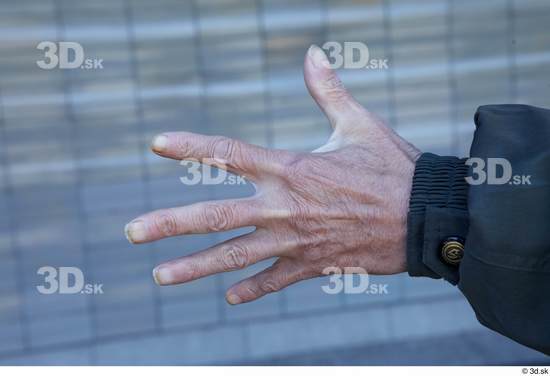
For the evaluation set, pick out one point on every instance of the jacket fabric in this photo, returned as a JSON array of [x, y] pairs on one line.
[[496, 203]]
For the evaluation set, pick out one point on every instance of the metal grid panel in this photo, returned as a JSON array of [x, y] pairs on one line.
[[76, 167]]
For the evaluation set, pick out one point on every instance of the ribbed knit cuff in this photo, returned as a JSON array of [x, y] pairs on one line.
[[439, 181], [437, 208]]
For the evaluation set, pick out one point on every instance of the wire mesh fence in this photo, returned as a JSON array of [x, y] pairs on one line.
[[75, 165]]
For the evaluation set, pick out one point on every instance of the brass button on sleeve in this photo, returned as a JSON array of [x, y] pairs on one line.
[[452, 250]]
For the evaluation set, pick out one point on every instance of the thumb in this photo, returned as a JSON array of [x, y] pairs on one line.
[[351, 122], [327, 90]]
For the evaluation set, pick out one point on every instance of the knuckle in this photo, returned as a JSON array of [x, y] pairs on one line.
[[270, 285], [217, 217], [334, 89], [280, 160], [252, 290], [182, 145], [234, 257], [295, 166], [223, 147], [333, 82], [166, 223], [315, 254]]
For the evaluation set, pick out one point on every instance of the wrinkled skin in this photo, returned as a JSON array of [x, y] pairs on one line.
[[343, 205]]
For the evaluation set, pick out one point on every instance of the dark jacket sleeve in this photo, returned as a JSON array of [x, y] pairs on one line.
[[503, 268]]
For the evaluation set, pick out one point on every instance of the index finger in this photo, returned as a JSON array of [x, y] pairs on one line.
[[235, 156]]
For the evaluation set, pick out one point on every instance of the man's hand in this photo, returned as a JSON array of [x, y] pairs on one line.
[[343, 205]]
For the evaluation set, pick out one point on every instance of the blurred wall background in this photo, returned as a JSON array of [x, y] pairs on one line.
[[75, 167]]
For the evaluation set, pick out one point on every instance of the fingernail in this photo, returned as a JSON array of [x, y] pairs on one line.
[[162, 276], [233, 299], [318, 57], [159, 143], [155, 277], [135, 231]]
